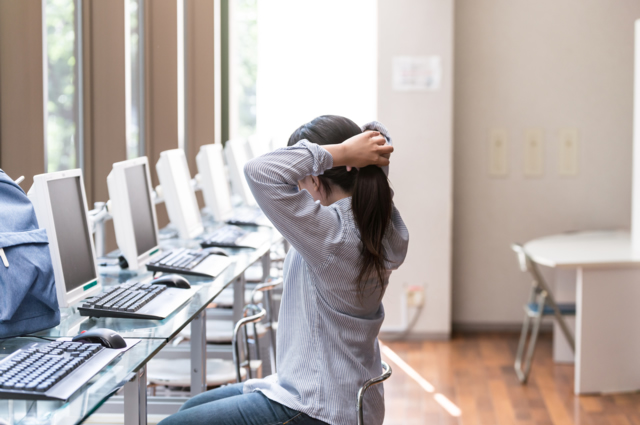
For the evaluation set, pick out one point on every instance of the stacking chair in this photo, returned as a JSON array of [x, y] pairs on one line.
[[386, 373], [253, 313], [221, 331], [541, 303], [176, 372]]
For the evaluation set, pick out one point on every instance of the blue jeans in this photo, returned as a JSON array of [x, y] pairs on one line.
[[229, 406]]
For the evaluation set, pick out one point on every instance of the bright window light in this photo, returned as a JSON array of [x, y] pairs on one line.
[[315, 57], [441, 399], [391, 355]]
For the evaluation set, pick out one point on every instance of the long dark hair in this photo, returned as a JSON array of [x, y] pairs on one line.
[[369, 187]]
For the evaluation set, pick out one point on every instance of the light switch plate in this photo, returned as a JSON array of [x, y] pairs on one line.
[[568, 152], [498, 152], [533, 152]]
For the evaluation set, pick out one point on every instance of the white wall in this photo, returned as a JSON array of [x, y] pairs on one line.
[[421, 166], [548, 64]]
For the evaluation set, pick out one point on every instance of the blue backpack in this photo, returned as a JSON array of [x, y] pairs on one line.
[[28, 301]]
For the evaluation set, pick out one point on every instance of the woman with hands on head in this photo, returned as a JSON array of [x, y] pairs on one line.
[[329, 196]]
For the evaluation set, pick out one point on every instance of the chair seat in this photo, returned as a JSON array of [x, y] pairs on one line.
[[177, 372], [221, 331], [567, 309]]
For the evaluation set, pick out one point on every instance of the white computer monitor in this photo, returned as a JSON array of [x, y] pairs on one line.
[[133, 210], [236, 155], [179, 197], [213, 179], [61, 208]]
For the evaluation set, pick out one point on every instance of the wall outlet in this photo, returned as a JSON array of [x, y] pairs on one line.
[[568, 152], [533, 152], [498, 153], [415, 296]]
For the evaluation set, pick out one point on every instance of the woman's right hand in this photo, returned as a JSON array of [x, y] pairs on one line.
[[361, 150]]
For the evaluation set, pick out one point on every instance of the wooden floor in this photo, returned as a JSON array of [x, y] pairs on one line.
[[476, 373]]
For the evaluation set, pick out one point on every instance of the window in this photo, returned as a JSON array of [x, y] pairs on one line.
[[291, 61], [134, 79], [243, 67], [64, 85]]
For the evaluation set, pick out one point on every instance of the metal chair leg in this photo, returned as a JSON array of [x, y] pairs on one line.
[[247, 352], [521, 346], [549, 299], [523, 372], [261, 312], [386, 373]]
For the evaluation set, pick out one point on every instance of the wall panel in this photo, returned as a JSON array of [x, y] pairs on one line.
[[22, 140]]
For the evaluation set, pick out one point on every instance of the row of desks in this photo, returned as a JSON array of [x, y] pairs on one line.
[[129, 369]]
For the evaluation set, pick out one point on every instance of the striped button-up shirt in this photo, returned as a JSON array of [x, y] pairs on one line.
[[327, 344]]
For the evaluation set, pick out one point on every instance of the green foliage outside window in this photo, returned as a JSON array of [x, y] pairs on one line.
[[246, 66], [62, 97]]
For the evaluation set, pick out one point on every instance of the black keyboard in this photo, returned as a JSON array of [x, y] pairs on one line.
[[249, 217], [233, 236], [52, 371], [136, 300], [189, 262]]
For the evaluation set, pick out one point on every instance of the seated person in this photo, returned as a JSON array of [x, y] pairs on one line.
[[329, 197]]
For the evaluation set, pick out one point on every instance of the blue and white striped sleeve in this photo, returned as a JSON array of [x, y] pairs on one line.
[[312, 229]]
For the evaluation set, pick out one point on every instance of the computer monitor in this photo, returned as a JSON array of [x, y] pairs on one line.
[[179, 197], [236, 154], [213, 179], [61, 208], [133, 210]]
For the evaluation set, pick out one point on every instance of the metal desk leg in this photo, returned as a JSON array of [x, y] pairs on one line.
[[135, 399], [266, 266], [31, 408], [272, 333], [199, 354], [238, 298]]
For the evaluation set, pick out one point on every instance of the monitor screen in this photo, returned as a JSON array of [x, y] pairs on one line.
[[141, 208], [74, 242]]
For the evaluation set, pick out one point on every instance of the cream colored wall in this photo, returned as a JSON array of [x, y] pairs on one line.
[[421, 167], [548, 64]]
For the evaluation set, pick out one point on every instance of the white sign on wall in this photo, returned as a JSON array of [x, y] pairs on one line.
[[417, 73]]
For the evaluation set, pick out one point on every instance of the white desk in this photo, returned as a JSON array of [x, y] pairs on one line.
[[607, 334]]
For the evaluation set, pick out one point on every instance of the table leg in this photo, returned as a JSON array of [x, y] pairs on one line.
[[199, 354], [135, 399], [564, 291], [607, 331]]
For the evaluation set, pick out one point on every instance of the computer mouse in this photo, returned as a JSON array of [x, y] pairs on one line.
[[106, 337], [172, 280], [216, 251]]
